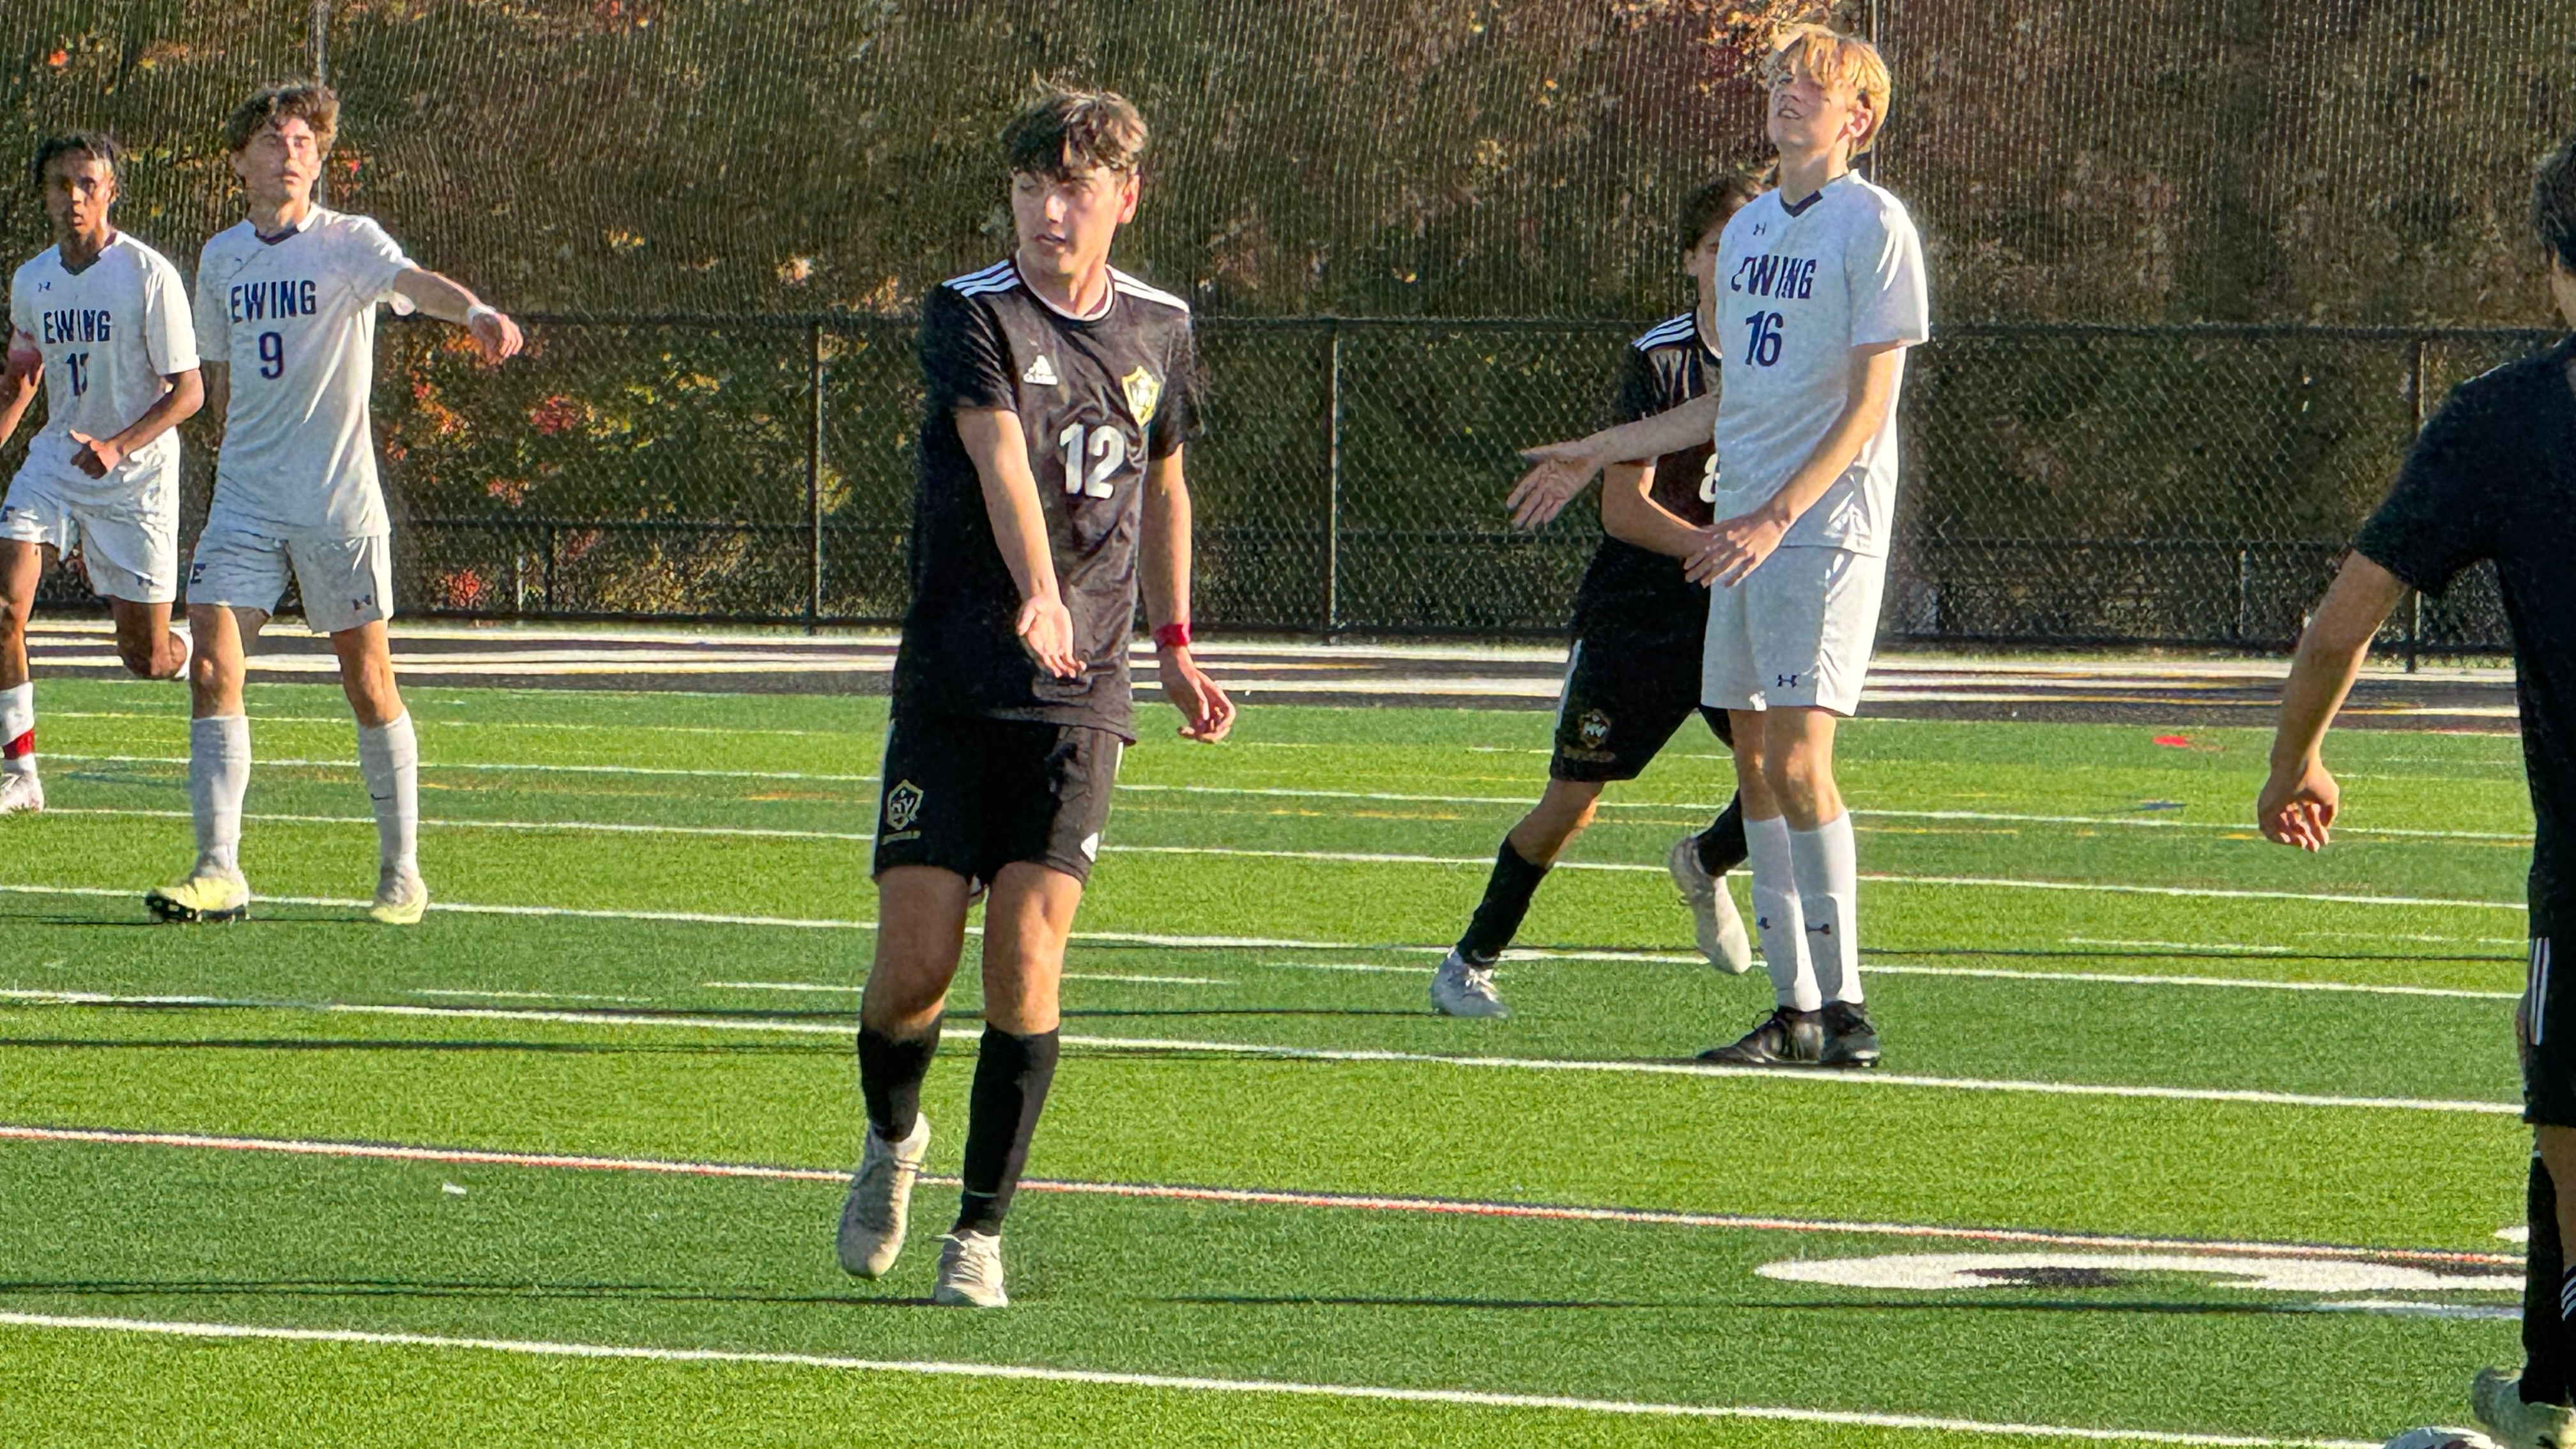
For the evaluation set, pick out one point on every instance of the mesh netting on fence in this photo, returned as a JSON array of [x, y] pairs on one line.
[[725, 212]]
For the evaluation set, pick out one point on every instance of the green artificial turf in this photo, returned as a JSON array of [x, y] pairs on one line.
[[1230, 918]]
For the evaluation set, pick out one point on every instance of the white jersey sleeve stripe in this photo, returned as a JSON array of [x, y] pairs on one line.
[[1134, 288], [1671, 332]]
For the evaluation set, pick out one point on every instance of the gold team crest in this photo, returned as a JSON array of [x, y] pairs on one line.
[[1144, 390]]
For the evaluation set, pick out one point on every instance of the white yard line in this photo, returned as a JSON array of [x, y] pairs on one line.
[[1372, 796], [855, 739], [2225, 948], [493, 768], [1260, 943], [826, 988], [1356, 1055], [1265, 1197], [1172, 1382]]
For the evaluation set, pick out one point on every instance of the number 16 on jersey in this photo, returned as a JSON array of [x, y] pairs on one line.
[[1762, 348]]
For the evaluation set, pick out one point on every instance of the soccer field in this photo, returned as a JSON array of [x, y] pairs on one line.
[[2183, 1138]]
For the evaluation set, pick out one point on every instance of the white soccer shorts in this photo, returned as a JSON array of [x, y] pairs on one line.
[[131, 549], [1797, 632], [345, 582]]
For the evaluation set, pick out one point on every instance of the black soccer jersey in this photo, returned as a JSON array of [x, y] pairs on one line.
[[1097, 397], [2493, 479], [1634, 592]]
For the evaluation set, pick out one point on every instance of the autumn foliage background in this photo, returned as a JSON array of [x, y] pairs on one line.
[[2356, 162]]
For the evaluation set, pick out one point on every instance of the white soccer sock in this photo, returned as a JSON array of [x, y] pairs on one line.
[[18, 729], [389, 754], [1828, 867], [218, 777], [1776, 915]]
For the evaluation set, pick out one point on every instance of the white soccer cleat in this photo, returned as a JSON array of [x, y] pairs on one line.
[[1462, 988], [21, 795], [1714, 919], [970, 1272], [2495, 1400], [207, 896], [401, 900], [872, 1220]]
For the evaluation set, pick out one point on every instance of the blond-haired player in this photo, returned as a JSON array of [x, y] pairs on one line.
[[1820, 292], [286, 319]]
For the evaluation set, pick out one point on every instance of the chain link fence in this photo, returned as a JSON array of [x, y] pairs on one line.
[[2063, 484]]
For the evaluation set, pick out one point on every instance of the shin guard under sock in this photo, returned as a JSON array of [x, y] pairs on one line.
[[2548, 1340], [890, 1077], [1012, 1074], [1721, 846], [1498, 915]]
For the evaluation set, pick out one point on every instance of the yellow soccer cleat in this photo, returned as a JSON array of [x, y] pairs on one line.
[[204, 898], [400, 900]]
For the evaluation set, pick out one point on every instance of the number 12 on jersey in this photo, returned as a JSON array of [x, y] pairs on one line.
[[1105, 446], [1762, 349]]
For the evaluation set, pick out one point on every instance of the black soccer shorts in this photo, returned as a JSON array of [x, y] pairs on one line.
[[972, 795], [1623, 700], [2547, 1022]]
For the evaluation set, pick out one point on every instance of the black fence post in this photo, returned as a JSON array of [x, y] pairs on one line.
[[1333, 482], [2415, 401], [814, 476]]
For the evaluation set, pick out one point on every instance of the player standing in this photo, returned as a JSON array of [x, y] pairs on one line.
[[286, 313], [1639, 625], [1060, 394], [1822, 292], [103, 320], [2492, 478]]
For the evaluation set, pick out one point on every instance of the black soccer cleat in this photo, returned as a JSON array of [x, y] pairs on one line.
[[1787, 1037], [1850, 1039]]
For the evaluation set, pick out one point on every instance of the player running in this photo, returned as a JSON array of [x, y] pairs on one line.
[[1822, 291], [103, 320], [1633, 675], [286, 317], [1060, 394], [2492, 479]]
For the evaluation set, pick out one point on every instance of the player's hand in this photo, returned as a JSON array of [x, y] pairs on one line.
[[1559, 472], [1045, 628], [2298, 805], [1736, 547], [95, 456], [495, 336], [1206, 714]]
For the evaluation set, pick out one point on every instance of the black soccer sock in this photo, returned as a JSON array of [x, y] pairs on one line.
[[890, 1075], [1498, 915], [1721, 845], [1012, 1074], [2548, 1340]]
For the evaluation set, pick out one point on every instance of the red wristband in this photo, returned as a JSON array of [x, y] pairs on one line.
[[1172, 636]]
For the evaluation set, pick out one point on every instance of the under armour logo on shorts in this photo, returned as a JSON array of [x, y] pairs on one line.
[[1788, 681]]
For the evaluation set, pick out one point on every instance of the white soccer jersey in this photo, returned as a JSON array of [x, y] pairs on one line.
[[294, 317], [1798, 290], [110, 333]]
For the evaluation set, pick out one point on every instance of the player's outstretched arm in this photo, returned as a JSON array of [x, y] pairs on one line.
[[1559, 472], [98, 456], [494, 333], [18, 384], [1737, 546], [1206, 714], [1630, 514], [1000, 450], [2300, 799]]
